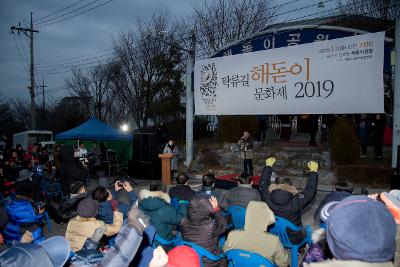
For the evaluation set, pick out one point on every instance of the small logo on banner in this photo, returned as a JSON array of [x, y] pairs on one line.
[[208, 85]]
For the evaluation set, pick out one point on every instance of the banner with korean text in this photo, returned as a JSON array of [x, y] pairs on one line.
[[327, 77]]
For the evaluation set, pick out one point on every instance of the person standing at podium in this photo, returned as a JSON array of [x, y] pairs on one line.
[[170, 148], [246, 145]]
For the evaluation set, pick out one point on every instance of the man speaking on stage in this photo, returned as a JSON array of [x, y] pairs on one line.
[[246, 144]]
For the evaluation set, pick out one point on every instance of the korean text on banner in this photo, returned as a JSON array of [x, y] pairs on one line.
[[327, 77]]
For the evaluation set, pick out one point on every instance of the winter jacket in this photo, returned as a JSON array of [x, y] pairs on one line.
[[203, 227], [207, 191], [163, 216], [79, 229], [67, 209], [127, 243], [254, 237], [181, 191], [105, 213], [71, 169], [246, 147], [88, 256], [337, 263], [242, 195], [18, 254], [286, 204]]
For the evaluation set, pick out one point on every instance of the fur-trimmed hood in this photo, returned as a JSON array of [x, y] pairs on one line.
[[284, 187], [153, 200], [145, 193]]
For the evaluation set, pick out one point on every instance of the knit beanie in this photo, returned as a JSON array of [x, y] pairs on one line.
[[363, 229], [183, 256], [88, 208]]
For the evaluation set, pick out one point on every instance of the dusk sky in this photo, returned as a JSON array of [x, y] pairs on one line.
[[83, 39]]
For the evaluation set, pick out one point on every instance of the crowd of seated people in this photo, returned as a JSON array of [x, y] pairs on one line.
[[116, 227]]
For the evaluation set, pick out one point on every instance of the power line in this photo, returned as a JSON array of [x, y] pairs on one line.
[[20, 56], [57, 69], [66, 60], [58, 11], [77, 66], [23, 48], [61, 66], [51, 65], [67, 13], [72, 63], [68, 68], [72, 16]]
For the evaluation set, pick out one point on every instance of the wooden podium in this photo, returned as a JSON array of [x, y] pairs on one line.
[[166, 168]]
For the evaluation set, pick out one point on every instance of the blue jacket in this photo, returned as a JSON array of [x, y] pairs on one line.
[[106, 214]]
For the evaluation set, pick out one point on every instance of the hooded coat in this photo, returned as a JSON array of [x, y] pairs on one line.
[[203, 227], [285, 202], [71, 169], [163, 216], [254, 237]]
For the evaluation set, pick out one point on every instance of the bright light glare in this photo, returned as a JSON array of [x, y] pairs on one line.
[[124, 127]]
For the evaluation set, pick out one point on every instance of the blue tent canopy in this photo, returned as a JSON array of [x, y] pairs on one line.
[[94, 129]]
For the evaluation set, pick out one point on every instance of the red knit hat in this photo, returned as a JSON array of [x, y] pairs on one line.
[[183, 256]]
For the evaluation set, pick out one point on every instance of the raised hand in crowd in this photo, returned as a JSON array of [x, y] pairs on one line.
[[214, 202], [127, 186], [270, 162], [312, 166]]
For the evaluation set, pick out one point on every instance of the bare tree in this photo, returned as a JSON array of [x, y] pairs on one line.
[[220, 22], [9, 117], [149, 67], [93, 90], [381, 9], [22, 112]]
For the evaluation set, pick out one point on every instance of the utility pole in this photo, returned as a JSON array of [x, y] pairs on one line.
[[396, 101], [29, 32], [189, 100], [43, 105], [43, 98]]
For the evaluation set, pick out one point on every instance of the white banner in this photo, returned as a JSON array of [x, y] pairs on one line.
[[327, 77]]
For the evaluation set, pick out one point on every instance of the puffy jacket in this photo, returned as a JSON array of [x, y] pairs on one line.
[[79, 229], [203, 227], [254, 237], [67, 209], [181, 191], [71, 169], [286, 204], [163, 216], [105, 213], [242, 195]]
